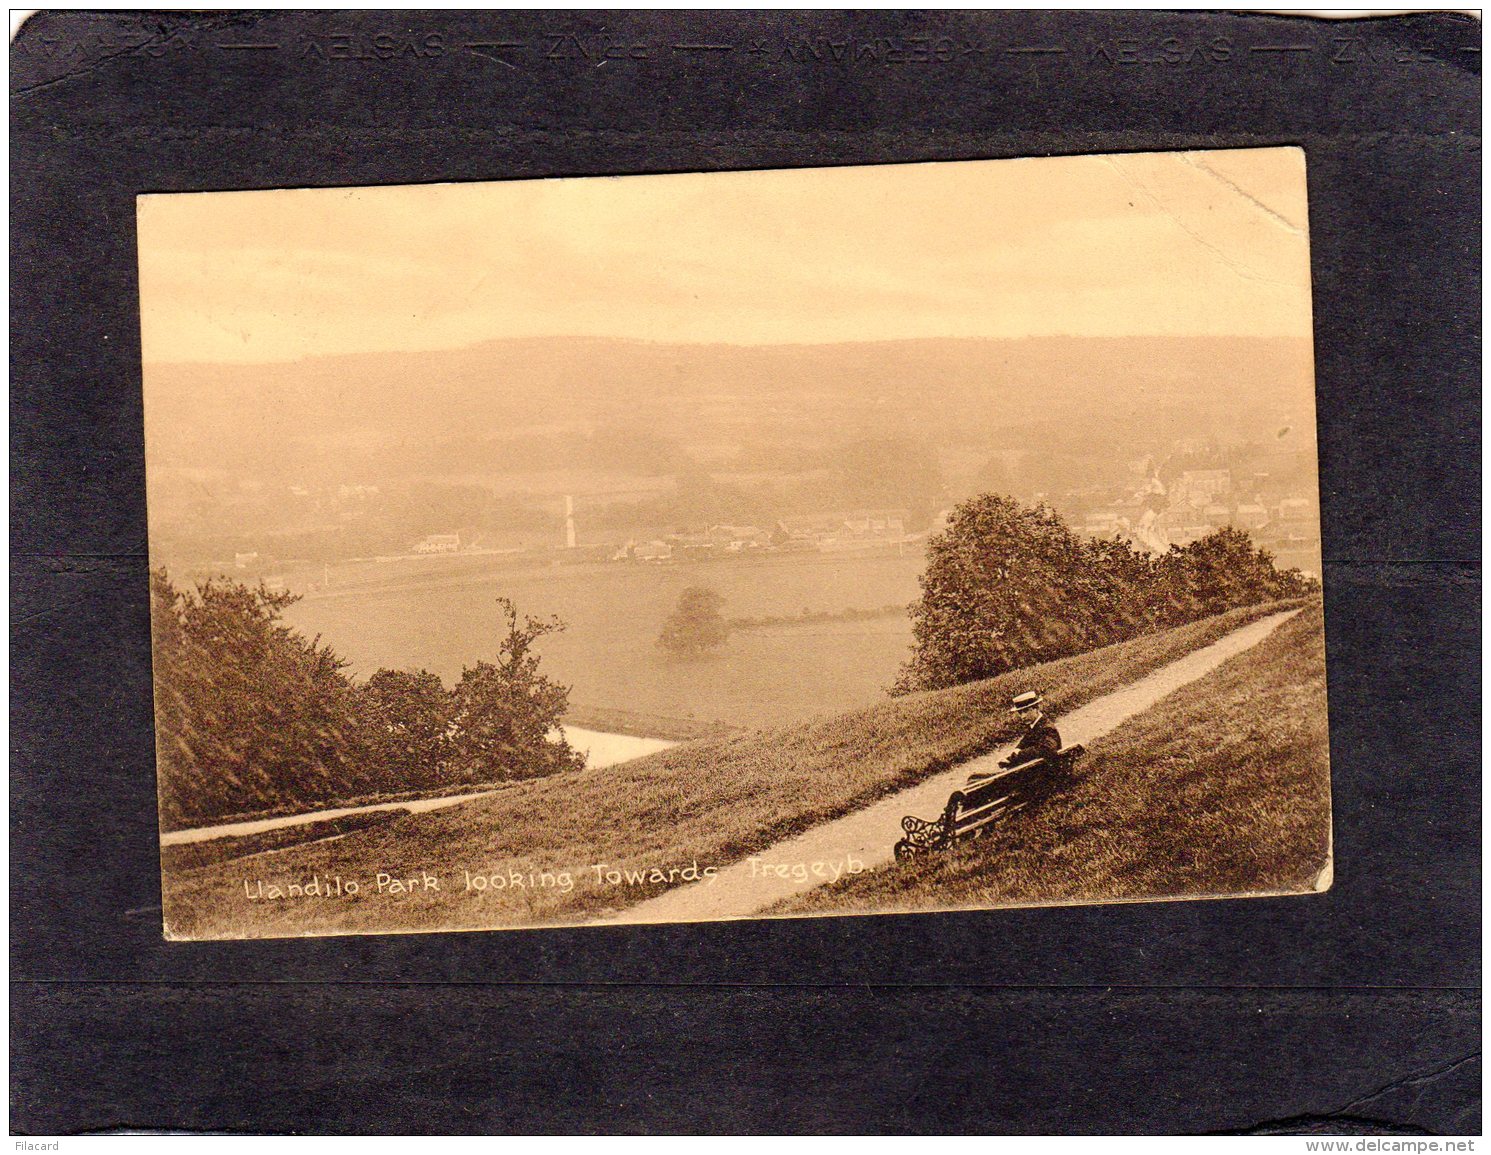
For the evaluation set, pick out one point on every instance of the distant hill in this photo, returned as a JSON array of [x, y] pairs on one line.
[[353, 415]]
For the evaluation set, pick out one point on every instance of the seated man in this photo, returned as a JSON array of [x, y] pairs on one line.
[[1040, 740]]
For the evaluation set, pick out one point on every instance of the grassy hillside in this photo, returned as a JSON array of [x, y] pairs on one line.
[[1223, 788], [707, 803]]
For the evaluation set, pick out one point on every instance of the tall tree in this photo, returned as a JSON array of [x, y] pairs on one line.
[[505, 715], [695, 627], [993, 594], [408, 719], [250, 715]]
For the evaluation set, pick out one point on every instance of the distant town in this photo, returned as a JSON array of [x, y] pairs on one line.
[[1156, 509], [857, 531], [222, 520], [1155, 514]]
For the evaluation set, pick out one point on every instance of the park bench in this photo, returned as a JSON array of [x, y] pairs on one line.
[[985, 799]]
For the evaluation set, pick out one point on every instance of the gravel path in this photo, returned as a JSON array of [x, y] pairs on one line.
[[864, 839]]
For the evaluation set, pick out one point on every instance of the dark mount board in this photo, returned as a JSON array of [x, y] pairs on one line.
[[1357, 1010]]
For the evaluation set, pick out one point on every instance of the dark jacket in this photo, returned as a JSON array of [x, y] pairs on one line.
[[1039, 742]]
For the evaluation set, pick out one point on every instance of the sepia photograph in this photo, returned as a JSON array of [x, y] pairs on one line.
[[776, 543]]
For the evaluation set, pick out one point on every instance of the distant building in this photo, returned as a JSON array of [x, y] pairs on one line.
[[1250, 517], [1210, 483], [1144, 530], [1100, 523], [1181, 525], [850, 527], [653, 551], [244, 560], [691, 546], [439, 543], [876, 525], [735, 538], [1186, 534], [1296, 509], [810, 527], [644, 551]]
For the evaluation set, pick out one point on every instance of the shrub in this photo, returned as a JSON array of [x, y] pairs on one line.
[[1008, 586]]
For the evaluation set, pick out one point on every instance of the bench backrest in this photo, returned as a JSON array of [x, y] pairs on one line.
[[976, 805]]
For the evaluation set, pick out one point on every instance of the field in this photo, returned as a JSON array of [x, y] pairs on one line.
[[1223, 788], [694, 807], [418, 616]]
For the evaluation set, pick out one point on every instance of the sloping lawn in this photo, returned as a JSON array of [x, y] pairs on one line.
[[1223, 788], [700, 805]]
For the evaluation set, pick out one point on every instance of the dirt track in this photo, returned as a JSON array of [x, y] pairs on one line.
[[864, 839]]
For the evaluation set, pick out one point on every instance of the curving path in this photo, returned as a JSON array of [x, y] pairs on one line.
[[865, 837]]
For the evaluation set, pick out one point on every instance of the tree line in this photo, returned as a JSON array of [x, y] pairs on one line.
[[1008, 586], [251, 717]]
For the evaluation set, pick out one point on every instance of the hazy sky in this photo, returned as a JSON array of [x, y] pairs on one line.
[[1175, 243]]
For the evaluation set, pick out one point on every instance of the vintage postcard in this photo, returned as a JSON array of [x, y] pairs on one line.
[[729, 545]]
